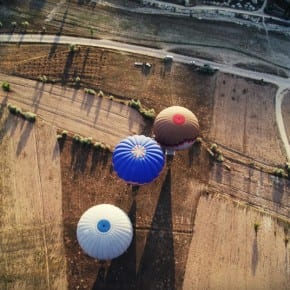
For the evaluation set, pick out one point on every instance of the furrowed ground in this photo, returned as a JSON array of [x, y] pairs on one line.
[[196, 200], [223, 41], [31, 228]]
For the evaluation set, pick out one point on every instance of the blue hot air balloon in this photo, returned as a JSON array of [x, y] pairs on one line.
[[138, 159], [104, 232]]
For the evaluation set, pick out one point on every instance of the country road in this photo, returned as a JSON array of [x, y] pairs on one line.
[[282, 83]]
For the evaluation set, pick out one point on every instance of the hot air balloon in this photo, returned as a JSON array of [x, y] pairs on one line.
[[175, 128], [138, 159], [104, 232]]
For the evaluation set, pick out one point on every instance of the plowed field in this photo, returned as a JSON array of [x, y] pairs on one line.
[[31, 226]]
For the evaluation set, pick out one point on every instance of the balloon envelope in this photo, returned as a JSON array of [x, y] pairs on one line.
[[104, 232], [138, 159], [176, 128]]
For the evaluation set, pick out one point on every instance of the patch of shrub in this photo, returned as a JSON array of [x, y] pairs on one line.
[[25, 24], [73, 48], [6, 86], [252, 164], [256, 227], [76, 138], [43, 78], [64, 133], [97, 145], [148, 114], [77, 80], [12, 109], [220, 157], [216, 153], [213, 147], [136, 104], [13, 24], [198, 140], [101, 94], [279, 172], [29, 116], [86, 140], [90, 91]]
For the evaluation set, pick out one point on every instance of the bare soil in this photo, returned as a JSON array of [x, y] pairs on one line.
[[162, 214], [31, 224], [246, 113], [235, 113], [74, 111], [286, 114], [235, 247]]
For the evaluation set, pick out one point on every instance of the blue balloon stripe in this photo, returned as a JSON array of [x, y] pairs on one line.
[[138, 159]]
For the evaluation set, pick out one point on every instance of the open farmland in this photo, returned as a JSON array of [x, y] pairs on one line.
[[176, 218], [235, 247], [31, 229], [244, 118], [75, 111], [162, 214]]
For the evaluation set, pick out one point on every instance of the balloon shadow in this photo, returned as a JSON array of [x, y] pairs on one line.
[[157, 265], [121, 273]]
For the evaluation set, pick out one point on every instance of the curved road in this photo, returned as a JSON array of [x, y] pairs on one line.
[[282, 83]]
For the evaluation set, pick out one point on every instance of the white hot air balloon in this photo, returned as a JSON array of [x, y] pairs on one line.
[[104, 232]]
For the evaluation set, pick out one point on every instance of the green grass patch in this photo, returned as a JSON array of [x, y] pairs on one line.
[[6, 86]]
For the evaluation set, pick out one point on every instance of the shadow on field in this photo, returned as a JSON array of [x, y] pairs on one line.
[[36, 4], [56, 39], [24, 137], [255, 255], [280, 187], [157, 265], [79, 157], [121, 274]]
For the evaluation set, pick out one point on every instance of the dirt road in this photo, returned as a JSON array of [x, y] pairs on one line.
[[75, 111]]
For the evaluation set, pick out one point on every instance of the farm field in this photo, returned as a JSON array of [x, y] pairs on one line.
[[75, 111], [226, 251], [246, 113], [202, 224], [169, 213], [80, 18], [32, 254]]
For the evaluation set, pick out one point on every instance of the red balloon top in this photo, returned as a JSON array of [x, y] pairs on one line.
[[178, 119]]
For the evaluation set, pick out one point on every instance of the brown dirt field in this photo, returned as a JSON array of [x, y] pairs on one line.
[[71, 18], [164, 212], [286, 114], [31, 228], [227, 253], [244, 101], [75, 111], [244, 118]]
